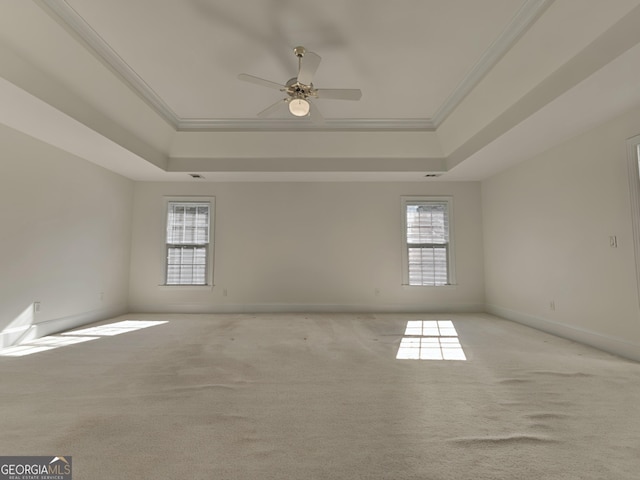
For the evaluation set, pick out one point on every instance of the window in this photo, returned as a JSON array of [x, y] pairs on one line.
[[427, 241], [188, 243]]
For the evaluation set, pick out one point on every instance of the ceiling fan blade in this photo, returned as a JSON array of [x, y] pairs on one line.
[[314, 113], [260, 81], [273, 108], [308, 66], [339, 93]]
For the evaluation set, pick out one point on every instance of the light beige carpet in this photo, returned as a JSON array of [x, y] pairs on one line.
[[322, 396]]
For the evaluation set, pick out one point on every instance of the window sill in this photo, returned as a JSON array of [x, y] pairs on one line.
[[190, 288], [448, 285]]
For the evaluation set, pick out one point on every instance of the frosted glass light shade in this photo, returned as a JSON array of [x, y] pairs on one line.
[[299, 107]]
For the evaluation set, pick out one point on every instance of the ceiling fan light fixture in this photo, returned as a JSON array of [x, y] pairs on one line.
[[299, 89], [299, 107]]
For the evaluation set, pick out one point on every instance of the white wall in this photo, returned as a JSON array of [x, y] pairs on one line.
[[65, 235], [305, 246], [547, 224], [535, 234]]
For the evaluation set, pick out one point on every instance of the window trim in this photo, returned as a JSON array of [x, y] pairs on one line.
[[633, 171], [410, 200], [210, 248]]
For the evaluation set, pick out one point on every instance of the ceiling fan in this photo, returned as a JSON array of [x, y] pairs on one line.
[[300, 89]]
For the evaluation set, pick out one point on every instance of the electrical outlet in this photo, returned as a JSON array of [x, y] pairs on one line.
[[36, 307], [613, 241], [552, 305], [224, 292]]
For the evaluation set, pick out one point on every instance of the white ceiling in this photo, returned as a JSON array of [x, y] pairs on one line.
[[453, 87], [190, 52]]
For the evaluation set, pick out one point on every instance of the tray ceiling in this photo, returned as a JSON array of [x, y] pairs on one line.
[[457, 88], [412, 59]]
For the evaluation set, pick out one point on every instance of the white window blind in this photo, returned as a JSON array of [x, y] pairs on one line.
[[187, 243], [427, 242]]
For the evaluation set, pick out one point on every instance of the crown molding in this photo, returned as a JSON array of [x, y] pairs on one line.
[[78, 26], [304, 124], [520, 23]]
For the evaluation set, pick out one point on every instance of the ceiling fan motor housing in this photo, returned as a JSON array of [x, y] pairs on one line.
[[296, 89]]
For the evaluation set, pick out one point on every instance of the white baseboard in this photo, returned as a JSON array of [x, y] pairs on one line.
[[56, 325], [307, 308], [614, 345]]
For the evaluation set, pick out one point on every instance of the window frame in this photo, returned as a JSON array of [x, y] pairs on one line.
[[450, 248], [209, 247], [633, 173]]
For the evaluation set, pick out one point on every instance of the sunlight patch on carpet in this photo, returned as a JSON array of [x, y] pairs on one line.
[[51, 342], [42, 344], [22, 350], [430, 340], [117, 328]]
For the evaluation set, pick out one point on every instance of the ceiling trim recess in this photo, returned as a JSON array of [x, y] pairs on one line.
[[77, 25], [424, 165]]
